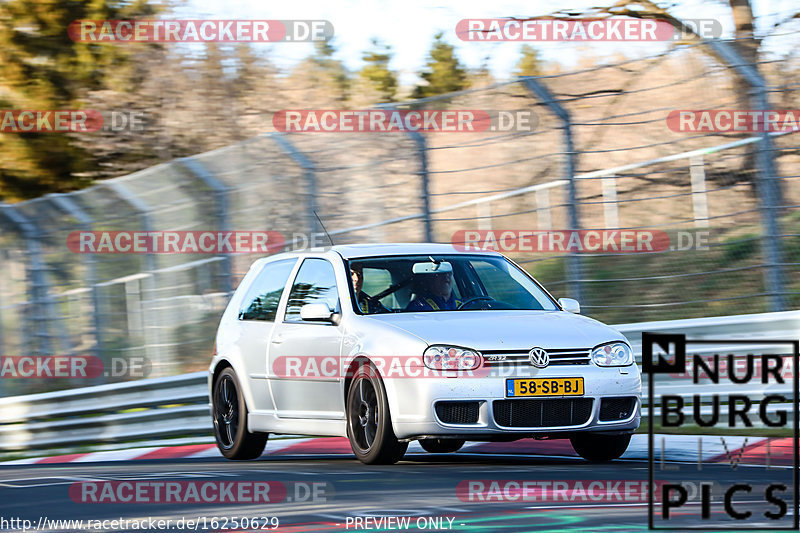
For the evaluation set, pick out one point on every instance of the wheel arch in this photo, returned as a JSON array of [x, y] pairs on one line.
[[352, 367], [244, 386]]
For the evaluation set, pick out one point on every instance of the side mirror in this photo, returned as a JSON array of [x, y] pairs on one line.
[[316, 313], [570, 305]]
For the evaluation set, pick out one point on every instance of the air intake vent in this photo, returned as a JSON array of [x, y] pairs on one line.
[[542, 413], [617, 408], [458, 412]]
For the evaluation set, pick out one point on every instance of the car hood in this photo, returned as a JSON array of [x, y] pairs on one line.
[[499, 330]]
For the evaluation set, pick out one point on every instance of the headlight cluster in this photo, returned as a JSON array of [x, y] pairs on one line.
[[440, 357], [613, 354]]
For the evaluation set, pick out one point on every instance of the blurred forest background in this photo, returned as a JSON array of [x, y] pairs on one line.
[[197, 98], [194, 97]]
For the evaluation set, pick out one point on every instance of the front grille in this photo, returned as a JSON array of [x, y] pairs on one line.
[[458, 412], [542, 413], [617, 408], [558, 356]]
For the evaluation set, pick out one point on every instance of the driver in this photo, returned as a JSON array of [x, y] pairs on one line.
[[367, 304], [436, 293]]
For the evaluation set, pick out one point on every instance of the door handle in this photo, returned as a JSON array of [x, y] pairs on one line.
[[277, 339]]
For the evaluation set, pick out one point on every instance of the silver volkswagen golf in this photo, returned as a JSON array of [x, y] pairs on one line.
[[386, 344]]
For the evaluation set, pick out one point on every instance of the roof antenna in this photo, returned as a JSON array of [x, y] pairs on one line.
[[323, 228]]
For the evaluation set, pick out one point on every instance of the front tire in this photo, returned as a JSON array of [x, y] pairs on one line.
[[600, 448], [369, 424], [441, 445], [229, 412]]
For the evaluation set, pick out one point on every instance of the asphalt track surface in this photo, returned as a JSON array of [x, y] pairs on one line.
[[420, 486]]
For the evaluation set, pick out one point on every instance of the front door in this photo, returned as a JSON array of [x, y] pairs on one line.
[[304, 356]]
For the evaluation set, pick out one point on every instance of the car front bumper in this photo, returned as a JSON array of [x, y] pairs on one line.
[[412, 402]]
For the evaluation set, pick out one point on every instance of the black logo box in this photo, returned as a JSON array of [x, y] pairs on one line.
[[662, 366]]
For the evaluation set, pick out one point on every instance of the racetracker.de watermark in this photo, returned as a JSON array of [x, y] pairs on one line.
[[50, 120], [397, 120], [69, 121], [199, 31], [734, 120], [603, 29], [450, 365], [581, 241], [175, 242], [528, 490], [72, 366], [201, 492], [311, 367]]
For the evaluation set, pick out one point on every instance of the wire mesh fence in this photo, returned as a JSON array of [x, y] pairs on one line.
[[602, 133]]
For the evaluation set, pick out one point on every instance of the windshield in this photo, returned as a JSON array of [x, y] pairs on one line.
[[429, 283]]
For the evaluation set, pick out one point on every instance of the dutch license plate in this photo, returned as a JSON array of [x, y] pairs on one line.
[[544, 387]]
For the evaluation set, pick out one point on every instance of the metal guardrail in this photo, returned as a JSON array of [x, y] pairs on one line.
[[784, 325], [186, 388], [137, 410], [178, 406]]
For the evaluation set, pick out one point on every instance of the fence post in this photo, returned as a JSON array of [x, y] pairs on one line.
[[141, 208], [543, 216], [766, 184], [574, 266], [34, 326], [221, 204], [697, 172], [310, 172], [424, 178], [65, 203], [155, 349], [484, 214], [610, 205]]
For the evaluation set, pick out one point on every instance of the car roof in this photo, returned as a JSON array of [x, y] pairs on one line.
[[352, 251]]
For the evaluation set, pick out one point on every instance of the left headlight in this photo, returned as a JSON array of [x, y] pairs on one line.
[[613, 354], [439, 357]]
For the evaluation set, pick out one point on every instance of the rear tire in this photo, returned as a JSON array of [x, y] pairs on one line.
[[229, 412], [369, 423], [441, 445], [598, 448]]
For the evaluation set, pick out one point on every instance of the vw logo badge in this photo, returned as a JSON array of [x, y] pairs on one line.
[[539, 357]]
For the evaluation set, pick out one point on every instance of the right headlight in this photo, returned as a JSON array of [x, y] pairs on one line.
[[613, 354], [440, 357]]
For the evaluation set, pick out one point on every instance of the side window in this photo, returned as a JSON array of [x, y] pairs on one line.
[[315, 283], [377, 280], [261, 300]]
